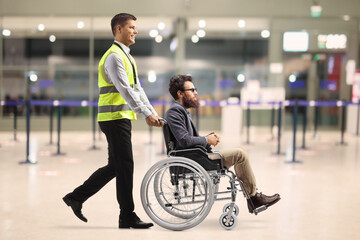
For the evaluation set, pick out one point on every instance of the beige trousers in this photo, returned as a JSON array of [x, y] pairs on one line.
[[238, 158]]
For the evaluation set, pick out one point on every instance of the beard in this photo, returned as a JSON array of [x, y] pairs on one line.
[[189, 103]]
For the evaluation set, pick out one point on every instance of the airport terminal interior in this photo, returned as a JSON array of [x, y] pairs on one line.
[[277, 78]]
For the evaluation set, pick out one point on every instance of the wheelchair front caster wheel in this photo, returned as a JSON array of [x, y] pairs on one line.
[[235, 211], [228, 222]]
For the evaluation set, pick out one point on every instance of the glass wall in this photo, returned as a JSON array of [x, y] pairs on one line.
[[63, 65]]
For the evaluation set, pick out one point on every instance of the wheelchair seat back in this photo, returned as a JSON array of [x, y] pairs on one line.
[[168, 139]]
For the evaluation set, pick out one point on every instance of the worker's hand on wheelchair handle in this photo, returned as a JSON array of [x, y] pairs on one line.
[[153, 121]]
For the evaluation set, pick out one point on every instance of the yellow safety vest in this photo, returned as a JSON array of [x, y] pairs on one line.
[[111, 104]]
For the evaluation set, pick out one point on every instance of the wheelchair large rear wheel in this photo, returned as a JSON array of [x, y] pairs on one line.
[[177, 193]]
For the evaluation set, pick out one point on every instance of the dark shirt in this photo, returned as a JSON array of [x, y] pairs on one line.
[[183, 130]]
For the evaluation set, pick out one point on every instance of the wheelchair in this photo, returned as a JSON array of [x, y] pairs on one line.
[[178, 192]]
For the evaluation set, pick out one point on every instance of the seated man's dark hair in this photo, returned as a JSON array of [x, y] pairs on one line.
[[177, 83]]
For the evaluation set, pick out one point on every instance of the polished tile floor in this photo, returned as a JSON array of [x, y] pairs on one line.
[[320, 195]]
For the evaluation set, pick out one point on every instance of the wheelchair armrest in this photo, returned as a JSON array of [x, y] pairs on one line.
[[200, 156], [201, 150], [214, 156], [201, 147]]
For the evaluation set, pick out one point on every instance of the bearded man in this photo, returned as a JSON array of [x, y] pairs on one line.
[[185, 135]]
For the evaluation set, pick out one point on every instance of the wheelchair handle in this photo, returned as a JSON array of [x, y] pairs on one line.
[[163, 120]]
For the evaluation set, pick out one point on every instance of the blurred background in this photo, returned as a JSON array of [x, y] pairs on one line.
[[304, 50], [237, 51]]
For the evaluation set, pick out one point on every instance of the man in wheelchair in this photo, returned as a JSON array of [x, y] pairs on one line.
[[184, 135]]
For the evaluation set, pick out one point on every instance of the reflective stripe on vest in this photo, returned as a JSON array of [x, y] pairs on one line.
[[110, 89], [112, 105], [114, 108]]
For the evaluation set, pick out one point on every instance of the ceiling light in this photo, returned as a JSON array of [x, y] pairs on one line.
[[346, 18], [265, 33], [41, 27], [201, 33], [33, 77], [158, 39], [6, 32], [202, 23], [241, 23], [80, 24], [52, 38], [153, 33], [195, 38], [240, 77], [161, 26], [292, 78]]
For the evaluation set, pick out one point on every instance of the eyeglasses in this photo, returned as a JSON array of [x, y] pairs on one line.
[[190, 89]]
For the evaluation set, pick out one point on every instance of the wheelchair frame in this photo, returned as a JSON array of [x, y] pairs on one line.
[[178, 192]]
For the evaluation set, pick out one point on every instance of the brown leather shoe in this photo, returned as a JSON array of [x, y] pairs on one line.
[[260, 199]]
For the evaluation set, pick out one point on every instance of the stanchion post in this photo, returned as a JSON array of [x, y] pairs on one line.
[[357, 119], [248, 123], [150, 135], [58, 130], [295, 112], [343, 113], [94, 128], [304, 128], [28, 113], [316, 116], [279, 127], [342, 124], [28, 131], [272, 123], [15, 122], [51, 124], [294, 129]]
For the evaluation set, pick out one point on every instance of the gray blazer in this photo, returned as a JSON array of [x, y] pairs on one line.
[[182, 129]]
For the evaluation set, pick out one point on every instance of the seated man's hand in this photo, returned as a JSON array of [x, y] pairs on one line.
[[153, 121], [212, 139], [217, 138]]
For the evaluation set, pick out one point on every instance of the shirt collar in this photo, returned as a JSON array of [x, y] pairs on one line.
[[125, 48]]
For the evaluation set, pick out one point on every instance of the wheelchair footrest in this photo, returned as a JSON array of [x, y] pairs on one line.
[[254, 210], [259, 209]]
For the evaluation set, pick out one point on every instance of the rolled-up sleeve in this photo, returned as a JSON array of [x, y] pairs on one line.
[[135, 97]]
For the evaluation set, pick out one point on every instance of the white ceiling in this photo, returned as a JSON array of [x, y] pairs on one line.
[[67, 26]]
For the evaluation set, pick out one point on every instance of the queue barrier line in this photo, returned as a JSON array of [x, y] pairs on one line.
[[211, 103]]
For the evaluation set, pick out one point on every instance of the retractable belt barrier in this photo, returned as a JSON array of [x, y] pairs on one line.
[[247, 105]]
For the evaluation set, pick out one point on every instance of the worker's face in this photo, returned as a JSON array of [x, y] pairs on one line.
[[189, 96], [127, 33]]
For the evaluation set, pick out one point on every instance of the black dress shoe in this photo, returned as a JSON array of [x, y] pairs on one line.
[[76, 206], [133, 221]]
